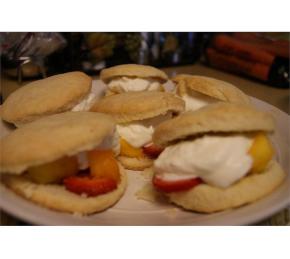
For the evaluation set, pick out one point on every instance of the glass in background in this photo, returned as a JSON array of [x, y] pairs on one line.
[[25, 53]]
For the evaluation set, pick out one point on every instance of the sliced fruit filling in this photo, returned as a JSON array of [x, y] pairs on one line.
[[128, 150], [55, 171], [261, 152], [103, 164], [150, 150], [174, 186], [102, 176], [89, 185]]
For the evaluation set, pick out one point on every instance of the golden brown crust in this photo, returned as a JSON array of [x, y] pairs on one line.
[[53, 137], [217, 117], [137, 164], [131, 106], [210, 86], [56, 197], [132, 70], [48, 96], [208, 199]]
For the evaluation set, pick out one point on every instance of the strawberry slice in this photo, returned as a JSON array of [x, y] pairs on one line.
[[152, 150], [90, 186], [174, 186]]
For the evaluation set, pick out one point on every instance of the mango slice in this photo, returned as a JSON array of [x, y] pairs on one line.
[[103, 164], [262, 152], [127, 150], [53, 172]]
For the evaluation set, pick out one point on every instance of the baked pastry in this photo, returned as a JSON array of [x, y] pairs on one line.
[[216, 158], [133, 77], [64, 92], [65, 162], [199, 91], [137, 113]]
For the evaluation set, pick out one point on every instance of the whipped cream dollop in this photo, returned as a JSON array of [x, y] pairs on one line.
[[127, 84], [139, 133], [111, 142], [196, 100], [86, 103], [217, 160]]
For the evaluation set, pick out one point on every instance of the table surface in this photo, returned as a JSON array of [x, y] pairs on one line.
[[275, 96]]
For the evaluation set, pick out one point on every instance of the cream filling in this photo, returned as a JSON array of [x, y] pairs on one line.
[[86, 104], [195, 100], [218, 160], [139, 133], [110, 142], [126, 84]]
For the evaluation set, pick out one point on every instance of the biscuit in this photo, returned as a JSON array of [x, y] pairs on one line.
[[218, 89], [56, 197], [44, 97], [131, 106], [51, 138], [133, 70], [214, 118], [207, 199], [133, 163]]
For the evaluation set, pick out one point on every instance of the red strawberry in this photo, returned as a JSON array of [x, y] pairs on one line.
[[152, 150], [175, 186], [89, 186]]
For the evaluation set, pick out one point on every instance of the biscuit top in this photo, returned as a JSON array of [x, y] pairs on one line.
[[214, 118], [51, 138], [132, 70], [47, 96], [132, 106], [218, 89]]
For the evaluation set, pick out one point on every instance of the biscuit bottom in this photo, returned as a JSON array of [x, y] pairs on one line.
[[56, 197], [208, 199], [133, 163]]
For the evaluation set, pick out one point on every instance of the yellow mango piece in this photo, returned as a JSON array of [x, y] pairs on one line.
[[127, 150], [53, 172], [261, 151], [103, 164]]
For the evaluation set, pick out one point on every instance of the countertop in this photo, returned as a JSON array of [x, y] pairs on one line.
[[275, 96]]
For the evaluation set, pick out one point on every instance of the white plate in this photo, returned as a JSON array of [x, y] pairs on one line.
[[130, 211]]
